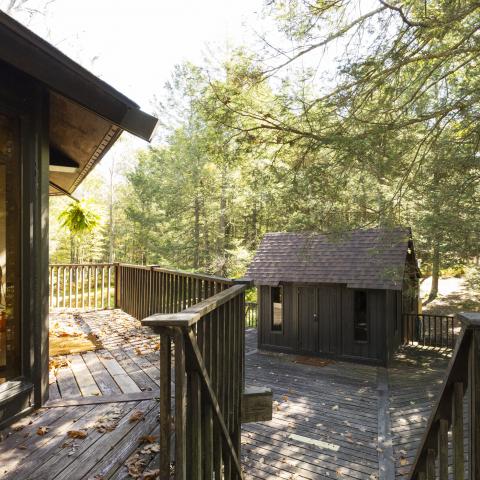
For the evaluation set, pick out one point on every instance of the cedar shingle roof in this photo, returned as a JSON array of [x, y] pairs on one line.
[[373, 258]]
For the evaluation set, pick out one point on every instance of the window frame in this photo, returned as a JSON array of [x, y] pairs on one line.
[[272, 309], [367, 322]]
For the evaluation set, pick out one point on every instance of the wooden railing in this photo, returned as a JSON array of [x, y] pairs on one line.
[[208, 341], [86, 286], [429, 330], [251, 314], [143, 291], [448, 416]]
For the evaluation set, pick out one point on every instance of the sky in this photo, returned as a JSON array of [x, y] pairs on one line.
[[134, 45]]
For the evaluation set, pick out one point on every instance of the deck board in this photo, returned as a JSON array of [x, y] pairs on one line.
[[325, 418]]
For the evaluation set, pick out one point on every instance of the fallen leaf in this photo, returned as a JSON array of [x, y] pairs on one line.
[[151, 474], [136, 416], [42, 430], [148, 439], [77, 434]]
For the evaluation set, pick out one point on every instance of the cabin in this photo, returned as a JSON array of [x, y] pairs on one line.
[[57, 120], [335, 295]]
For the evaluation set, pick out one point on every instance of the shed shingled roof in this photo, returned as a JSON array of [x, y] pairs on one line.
[[371, 258]]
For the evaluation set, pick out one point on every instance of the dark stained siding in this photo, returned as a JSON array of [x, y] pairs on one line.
[[307, 328], [329, 311], [375, 347]]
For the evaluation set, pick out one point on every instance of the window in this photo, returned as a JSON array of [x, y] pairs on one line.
[[9, 251], [360, 333], [277, 315]]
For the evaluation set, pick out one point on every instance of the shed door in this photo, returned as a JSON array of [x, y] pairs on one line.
[[329, 319], [307, 325]]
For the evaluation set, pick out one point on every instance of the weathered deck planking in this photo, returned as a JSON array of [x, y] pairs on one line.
[[326, 421]]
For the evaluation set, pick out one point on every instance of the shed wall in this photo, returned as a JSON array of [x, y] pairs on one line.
[[333, 333]]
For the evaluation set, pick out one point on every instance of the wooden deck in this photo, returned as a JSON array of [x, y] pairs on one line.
[[330, 420]]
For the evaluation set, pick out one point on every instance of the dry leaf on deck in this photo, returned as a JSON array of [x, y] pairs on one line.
[[151, 474], [77, 434], [136, 416], [42, 430], [148, 439]]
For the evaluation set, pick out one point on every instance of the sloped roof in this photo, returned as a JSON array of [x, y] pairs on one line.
[[373, 258], [87, 115]]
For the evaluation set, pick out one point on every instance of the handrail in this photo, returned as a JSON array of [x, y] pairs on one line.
[[429, 330], [143, 291], [190, 316], [463, 372], [209, 355]]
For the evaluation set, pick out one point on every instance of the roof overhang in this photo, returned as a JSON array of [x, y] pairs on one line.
[[86, 114]]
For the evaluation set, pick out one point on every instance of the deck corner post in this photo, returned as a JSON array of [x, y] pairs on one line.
[[474, 382], [116, 267], [180, 407], [165, 403]]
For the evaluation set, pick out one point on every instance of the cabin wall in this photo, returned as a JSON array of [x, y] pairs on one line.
[[319, 320], [27, 101]]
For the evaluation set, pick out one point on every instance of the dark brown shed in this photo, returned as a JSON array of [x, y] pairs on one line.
[[339, 294]]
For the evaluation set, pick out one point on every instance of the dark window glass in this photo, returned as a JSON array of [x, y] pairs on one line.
[[9, 250], [277, 307], [360, 317]]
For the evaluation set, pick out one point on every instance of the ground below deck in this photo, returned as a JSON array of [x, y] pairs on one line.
[[327, 417]]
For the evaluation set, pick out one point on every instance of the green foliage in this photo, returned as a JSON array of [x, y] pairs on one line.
[[79, 218], [260, 143]]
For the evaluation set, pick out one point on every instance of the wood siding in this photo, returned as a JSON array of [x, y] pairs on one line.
[[319, 320]]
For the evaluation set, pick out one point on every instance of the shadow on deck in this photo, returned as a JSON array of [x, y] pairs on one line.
[[325, 419]]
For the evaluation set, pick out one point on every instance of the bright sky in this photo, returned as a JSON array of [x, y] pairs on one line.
[[134, 45]]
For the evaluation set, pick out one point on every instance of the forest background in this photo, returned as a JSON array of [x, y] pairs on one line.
[[346, 114]]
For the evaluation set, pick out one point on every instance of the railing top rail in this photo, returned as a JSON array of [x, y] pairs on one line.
[[81, 264], [456, 372], [191, 315], [183, 273]]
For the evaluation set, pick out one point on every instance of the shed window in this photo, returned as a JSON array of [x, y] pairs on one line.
[[360, 317], [277, 306]]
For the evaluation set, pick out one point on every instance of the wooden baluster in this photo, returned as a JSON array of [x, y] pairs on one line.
[[109, 271], [83, 285], [216, 360], [103, 287], [165, 404], [64, 288], [58, 288], [88, 285], [194, 406], [430, 464], [228, 382], [457, 432], [95, 288], [70, 290], [180, 408], [474, 385], [206, 406], [443, 448]]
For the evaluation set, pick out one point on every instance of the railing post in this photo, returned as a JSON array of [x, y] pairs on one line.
[[180, 407], [474, 382], [117, 285], [165, 403]]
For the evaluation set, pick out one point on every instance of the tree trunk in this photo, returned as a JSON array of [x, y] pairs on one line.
[[196, 233], [435, 271], [110, 219]]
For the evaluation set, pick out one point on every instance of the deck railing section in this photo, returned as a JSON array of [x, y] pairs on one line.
[[251, 314], [85, 286], [444, 435], [143, 291], [208, 370], [429, 330]]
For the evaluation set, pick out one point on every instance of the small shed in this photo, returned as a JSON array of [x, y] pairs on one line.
[[337, 295]]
